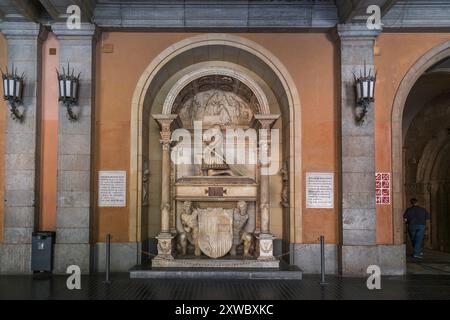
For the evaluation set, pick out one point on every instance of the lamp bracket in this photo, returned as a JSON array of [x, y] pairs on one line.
[[361, 115], [70, 113], [15, 113]]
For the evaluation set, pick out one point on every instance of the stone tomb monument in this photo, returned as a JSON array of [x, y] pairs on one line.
[[214, 214]]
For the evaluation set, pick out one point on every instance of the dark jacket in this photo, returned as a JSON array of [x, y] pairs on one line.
[[416, 215]]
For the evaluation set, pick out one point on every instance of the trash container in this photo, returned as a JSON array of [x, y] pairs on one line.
[[42, 251]]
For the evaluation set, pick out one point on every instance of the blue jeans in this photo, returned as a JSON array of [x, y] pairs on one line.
[[416, 234]]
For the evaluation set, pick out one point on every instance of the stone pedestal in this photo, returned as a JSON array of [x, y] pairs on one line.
[[166, 246], [215, 263], [264, 247]]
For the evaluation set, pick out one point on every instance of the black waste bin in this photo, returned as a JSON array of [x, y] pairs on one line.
[[42, 251]]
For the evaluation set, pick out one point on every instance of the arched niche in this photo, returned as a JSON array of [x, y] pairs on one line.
[[177, 61]]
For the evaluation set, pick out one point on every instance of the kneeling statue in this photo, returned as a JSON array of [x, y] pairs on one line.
[[189, 220], [240, 218]]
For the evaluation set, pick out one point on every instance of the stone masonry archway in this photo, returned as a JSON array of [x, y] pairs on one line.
[[432, 57], [222, 47]]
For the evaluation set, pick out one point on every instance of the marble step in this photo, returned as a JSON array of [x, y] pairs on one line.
[[284, 272]]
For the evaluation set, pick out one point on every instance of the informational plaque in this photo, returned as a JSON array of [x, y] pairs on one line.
[[319, 190], [112, 188]]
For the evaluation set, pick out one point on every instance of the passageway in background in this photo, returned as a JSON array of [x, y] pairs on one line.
[[426, 153]]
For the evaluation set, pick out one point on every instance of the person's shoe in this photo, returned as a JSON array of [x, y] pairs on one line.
[[417, 257], [421, 254]]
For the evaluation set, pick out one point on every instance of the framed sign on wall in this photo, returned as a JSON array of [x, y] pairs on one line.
[[112, 188]]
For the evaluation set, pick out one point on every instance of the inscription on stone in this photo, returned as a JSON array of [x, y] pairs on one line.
[[112, 188], [216, 192], [319, 190]]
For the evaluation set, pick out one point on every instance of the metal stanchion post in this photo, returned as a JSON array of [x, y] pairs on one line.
[[322, 260], [107, 257]]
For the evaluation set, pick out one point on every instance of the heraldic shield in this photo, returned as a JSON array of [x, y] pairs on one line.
[[215, 234]]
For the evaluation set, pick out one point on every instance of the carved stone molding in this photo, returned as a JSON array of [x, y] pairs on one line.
[[223, 71]]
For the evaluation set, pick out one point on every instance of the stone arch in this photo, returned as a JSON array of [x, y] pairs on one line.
[[223, 71], [429, 59], [293, 124]]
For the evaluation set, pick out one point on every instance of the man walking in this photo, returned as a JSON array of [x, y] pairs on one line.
[[416, 218]]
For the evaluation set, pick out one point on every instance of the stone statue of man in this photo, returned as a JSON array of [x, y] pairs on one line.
[[240, 218], [189, 220]]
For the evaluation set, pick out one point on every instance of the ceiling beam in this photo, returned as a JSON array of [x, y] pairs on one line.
[[387, 6], [50, 8], [29, 9], [58, 9]]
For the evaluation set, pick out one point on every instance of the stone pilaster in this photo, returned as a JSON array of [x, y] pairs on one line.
[[358, 154], [21, 151], [265, 239], [75, 193], [167, 123]]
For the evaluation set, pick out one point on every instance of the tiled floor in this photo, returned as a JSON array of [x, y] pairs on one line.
[[428, 278], [409, 287], [433, 262]]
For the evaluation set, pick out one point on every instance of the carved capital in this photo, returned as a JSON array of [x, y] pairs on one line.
[[264, 121], [167, 122]]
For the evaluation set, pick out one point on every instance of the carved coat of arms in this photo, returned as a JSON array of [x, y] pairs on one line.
[[215, 236]]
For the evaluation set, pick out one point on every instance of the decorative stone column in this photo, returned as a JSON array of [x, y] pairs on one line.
[[265, 239], [22, 148], [167, 123], [75, 177], [358, 227]]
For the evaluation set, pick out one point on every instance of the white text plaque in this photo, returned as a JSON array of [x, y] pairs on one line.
[[319, 190], [112, 188]]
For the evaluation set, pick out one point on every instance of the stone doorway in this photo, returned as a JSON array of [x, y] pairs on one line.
[[426, 134]]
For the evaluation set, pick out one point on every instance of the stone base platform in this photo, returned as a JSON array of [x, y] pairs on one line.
[[283, 272], [215, 263]]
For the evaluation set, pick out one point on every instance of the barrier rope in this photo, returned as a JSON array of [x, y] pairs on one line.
[[245, 261]]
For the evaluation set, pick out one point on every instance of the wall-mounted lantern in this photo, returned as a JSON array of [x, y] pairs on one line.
[[68, 90], [12, 92], [365, 93]]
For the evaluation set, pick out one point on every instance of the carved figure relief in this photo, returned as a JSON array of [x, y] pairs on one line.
[[240, 219], [145, 183], [214, 231], [190, 225], [284, 172], [215, 107]]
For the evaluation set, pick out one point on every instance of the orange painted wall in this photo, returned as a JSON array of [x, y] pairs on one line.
[[398, 52], [49, 132], [310, 59], [3, 115]]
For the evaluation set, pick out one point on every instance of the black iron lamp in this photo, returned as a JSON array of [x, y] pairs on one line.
[[12, 92], [68, 90], [365, 93]]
